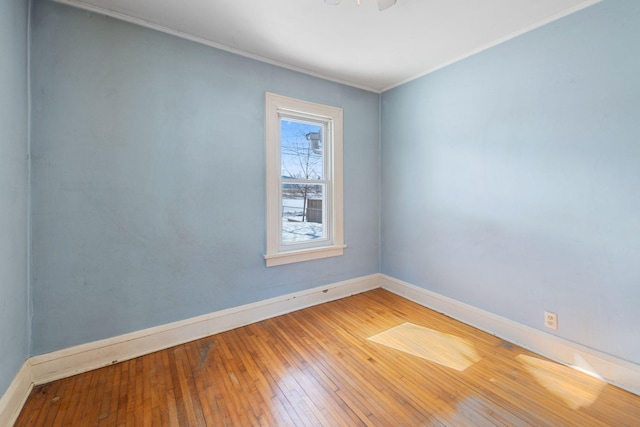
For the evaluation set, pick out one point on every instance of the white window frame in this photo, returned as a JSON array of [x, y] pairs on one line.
[[277, 107]]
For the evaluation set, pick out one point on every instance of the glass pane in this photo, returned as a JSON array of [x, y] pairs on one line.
[[302, 213], [302, 150]]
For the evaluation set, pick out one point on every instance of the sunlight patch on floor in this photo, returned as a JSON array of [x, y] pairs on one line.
[[575, 390], [444, 349]]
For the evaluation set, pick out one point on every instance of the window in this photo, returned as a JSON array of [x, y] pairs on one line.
[[304, 181]]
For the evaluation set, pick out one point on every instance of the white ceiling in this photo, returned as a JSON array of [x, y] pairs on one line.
[[355, 45]]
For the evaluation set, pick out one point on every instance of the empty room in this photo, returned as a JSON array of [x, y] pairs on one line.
[[320, 212]]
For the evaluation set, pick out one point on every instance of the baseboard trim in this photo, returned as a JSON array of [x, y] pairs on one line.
[[615, 371], [82, 358], [16, 395], [85, 357]]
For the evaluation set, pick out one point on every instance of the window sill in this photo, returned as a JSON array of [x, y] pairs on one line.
[[282, 258]]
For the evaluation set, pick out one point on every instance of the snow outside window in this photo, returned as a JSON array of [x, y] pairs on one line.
[[304, 181]]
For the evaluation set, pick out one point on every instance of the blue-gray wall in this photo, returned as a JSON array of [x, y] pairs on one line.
[[14, 178], [148, 190], [511, 180]]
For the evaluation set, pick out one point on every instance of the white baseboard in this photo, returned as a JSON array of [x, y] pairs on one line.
[[16, 395], [82, 358], [615, 371]]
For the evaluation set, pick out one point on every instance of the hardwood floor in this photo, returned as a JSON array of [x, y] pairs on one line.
[[373, 359]]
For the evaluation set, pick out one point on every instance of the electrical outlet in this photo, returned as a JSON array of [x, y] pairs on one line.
[[551, 320]]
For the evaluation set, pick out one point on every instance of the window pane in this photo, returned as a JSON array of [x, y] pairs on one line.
[[302, 213], [302, 150]]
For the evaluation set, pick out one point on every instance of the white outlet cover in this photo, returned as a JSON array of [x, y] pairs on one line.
[[551, 320]]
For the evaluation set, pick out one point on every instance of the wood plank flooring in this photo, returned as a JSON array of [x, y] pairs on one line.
[[373, 359]]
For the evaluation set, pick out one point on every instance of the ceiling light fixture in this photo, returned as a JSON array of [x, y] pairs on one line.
[[382, 4]]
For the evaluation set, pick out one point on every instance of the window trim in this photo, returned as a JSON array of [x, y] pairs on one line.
[[275, 106]]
